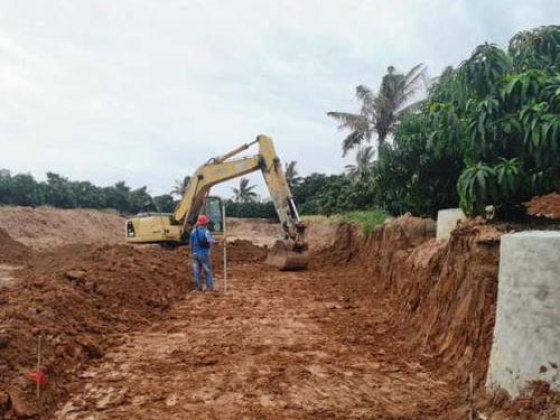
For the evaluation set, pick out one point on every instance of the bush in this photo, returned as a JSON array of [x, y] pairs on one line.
[[251, 210], [366, 219]]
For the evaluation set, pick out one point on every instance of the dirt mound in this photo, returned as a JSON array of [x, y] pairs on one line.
[[11, 251], [242, 251], [78, 298], [74, 297], [264, 232], [44, 228], [545, 205]]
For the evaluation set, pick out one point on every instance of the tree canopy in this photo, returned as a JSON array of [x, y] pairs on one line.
[[244, 193], [379, 112], [489, 133]]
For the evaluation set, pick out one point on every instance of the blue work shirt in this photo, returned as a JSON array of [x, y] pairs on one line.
[[200, 231]]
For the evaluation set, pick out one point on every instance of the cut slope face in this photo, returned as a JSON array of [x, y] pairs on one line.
[[443, 292]]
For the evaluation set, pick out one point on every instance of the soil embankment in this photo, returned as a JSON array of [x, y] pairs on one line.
[[45, 228], [443, 293], [440, 299]]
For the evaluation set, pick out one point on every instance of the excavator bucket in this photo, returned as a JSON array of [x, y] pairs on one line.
[[283, 256]]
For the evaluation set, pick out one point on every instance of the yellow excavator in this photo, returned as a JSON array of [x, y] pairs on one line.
[[288, 253]]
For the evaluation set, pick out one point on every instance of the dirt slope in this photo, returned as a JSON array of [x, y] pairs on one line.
[[12, 251], [45, 228], [75, 298]]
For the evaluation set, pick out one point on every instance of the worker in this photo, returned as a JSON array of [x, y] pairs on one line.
[[201, 239]]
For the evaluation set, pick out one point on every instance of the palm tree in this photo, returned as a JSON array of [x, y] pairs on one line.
[[364, 163], [380, 112], [245, 193], [292, 174], [180, 186]]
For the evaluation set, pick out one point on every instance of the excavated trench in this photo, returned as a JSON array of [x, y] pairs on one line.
[[393, 325]]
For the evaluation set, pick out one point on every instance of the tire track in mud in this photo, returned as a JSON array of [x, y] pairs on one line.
[[282, 345]]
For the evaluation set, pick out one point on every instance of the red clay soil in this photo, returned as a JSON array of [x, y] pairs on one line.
[[545, 205], [11, 251], [77, 297], [388, 326], [281, 345], [441, 304]]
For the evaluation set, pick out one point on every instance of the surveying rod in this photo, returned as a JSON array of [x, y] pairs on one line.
[[225, 248]]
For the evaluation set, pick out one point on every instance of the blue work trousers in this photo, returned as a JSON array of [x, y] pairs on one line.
[[202, 262]]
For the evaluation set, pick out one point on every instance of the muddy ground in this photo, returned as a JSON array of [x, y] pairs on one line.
[[389, 326]]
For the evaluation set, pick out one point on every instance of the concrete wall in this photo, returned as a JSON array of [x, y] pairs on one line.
[[526, 343], [447, 221]]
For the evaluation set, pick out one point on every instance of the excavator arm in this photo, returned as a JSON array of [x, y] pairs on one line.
[[224, 168]]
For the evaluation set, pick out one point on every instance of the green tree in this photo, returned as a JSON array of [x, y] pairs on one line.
[[379, 113], [23, 190], [165, 203], [88, 195], [491, 128], [118, 196], [260, 210], [139, 200], [59, 191], [245, 193], [292, 174], [342, 195], [307, 191], [364, 164], [537, 48], [180, 186]]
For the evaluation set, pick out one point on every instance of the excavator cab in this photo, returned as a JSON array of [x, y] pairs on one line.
[[214, 210]]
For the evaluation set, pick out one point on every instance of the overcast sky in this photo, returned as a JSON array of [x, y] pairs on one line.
[[145, 91]]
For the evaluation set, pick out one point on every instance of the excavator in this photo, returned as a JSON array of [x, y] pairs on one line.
[[288, 253]]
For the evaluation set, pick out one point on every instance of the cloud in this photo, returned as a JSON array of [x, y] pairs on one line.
[[145, 91]]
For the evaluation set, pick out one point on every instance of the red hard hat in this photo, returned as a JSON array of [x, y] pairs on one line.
[[202, 220]]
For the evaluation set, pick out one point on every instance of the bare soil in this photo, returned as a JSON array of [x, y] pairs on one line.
[[45, 228], [545, 205], [263, 232], [388, 326]]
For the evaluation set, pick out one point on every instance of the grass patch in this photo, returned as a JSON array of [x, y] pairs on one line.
[[315, 218], [366, 219]]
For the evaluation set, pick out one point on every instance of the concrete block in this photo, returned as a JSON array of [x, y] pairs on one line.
[[526, 343], [447, 221]]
